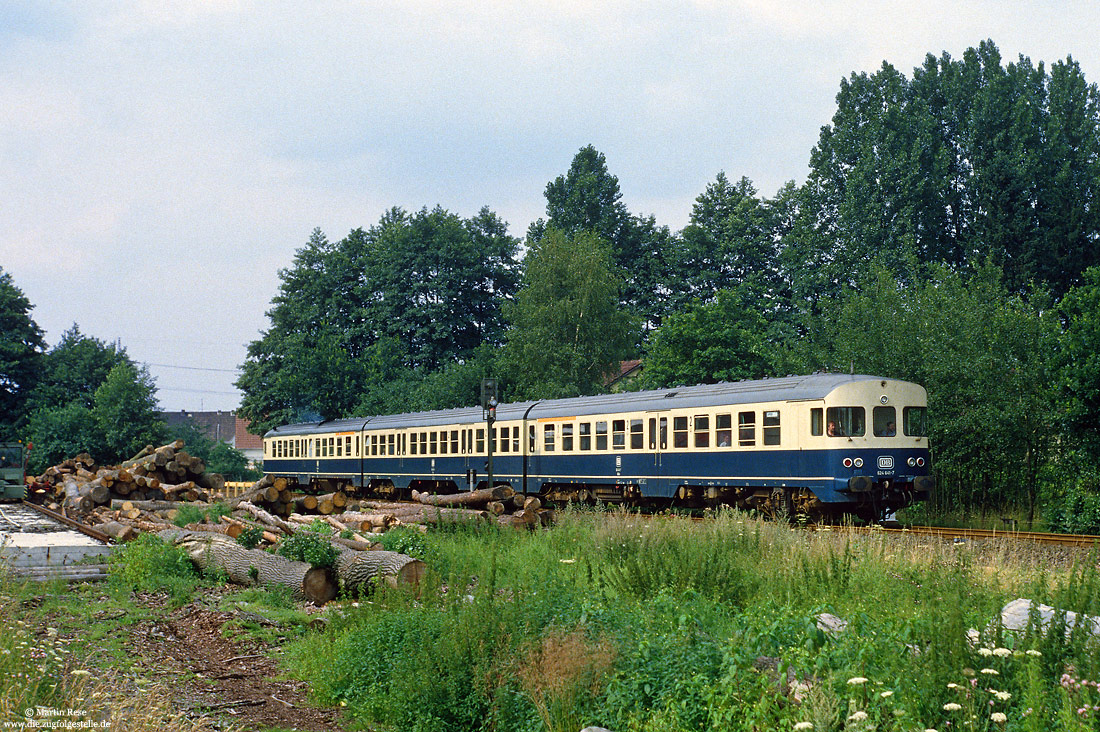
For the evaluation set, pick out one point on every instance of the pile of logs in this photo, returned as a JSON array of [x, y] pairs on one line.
[[275, 497], [165, 473]]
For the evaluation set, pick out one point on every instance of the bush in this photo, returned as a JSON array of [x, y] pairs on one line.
[[308, 547], [149, 564]]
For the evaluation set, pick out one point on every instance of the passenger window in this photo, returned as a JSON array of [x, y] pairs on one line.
[[845, 422], [454, 442], [443, 442], [601, 435], [548, 438], [515, 439], [723, 425], [412, 446], [885, 422], [618, 434], [637, 438], [505, 443], [585, 430], [480, 441], [771, 428], [702, 431], [680, 432], [916, 424], [566, 437], [347, 445], [392, 440], [746, 429], [432, 441], [817, 422]]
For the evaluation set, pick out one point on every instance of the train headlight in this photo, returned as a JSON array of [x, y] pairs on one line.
[[920, 462], [858, 462], [847, 462], [912, 462]]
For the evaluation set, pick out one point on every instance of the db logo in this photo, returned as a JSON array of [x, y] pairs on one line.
[[885, 462]]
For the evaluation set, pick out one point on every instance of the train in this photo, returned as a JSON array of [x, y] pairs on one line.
[[821, 445], [13, 466]]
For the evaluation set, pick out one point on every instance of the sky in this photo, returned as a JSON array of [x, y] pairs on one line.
[[161, 161]]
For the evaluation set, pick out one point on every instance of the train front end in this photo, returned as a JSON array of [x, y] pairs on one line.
[[877, 457]]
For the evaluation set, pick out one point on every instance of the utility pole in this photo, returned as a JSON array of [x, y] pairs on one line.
[[489, 401]]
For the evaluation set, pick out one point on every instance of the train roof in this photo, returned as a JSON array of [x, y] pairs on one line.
[[790, 388]]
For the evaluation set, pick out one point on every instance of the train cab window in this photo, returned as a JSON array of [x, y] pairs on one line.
[[746, 429], [679, 431], [601, 435], [884, 422], [723, 430], [454, 442], [618, 434], [567, 438], [702, 430], [480, 441], [505, 442], [637, 438], [548, 438], [916, 421], [845, 422], [584, 431], [817, 422], [771, 428]]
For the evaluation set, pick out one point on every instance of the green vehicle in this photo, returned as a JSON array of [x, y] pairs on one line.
[[13, 462]]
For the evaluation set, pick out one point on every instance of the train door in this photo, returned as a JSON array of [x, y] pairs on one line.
[[657, 442]]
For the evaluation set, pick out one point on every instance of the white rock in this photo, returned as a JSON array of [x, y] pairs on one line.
[[1015, 614], [829, 623]]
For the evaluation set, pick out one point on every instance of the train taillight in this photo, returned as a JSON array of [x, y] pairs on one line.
[[847, 462]]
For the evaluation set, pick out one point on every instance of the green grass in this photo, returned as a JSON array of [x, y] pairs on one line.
[[663, 624]]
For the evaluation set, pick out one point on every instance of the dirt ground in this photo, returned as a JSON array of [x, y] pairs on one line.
[[235, 681]]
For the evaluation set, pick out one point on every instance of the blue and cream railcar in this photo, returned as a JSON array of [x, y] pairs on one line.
[[819, 444]]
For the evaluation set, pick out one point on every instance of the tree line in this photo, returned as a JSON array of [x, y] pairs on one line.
[[947, 233]]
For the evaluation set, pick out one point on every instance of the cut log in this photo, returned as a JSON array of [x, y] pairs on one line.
[[305, 503], [145, 452], [211, 550], [119, 504], [469, 498], [74, 499], [118, 531], [266, 518], [357, 570]]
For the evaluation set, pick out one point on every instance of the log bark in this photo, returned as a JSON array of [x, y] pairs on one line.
[[266, 518], [253, 566], [118, 531], [357, 570], [74, 499], [119, 504], [469, 498]]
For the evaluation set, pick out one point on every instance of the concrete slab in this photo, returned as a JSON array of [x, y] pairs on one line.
[[30, 540]]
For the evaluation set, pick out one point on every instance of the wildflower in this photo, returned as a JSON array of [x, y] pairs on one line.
[[857, 680], [804, 725], [859, 716], [81, 672], [951, 707], [998, 717], [952, 686], [1002, 695], [886, 694], [1033, 652], [1001, 652], [931, 729], [985, 652], [991, 672]]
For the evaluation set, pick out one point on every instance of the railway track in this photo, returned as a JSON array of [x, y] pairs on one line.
[[1042, 537]]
